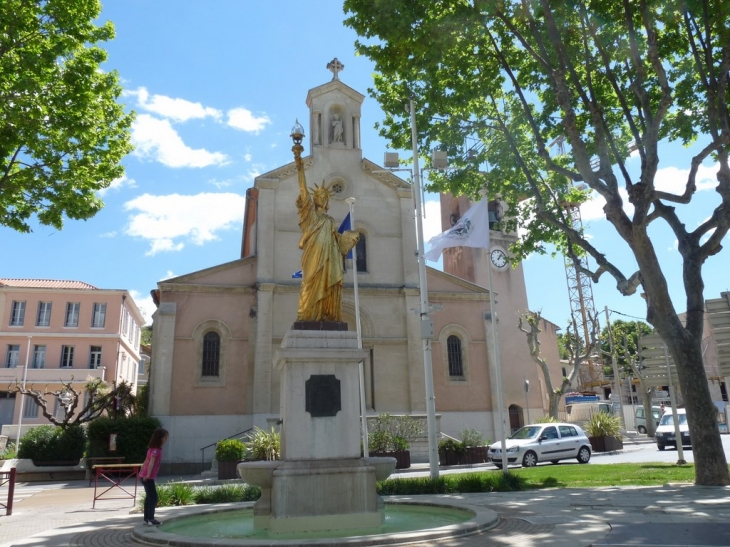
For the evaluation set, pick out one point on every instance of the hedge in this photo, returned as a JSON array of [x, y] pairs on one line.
[[133, 434]]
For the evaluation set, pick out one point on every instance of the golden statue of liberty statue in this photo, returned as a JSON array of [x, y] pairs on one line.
[[323, 247]]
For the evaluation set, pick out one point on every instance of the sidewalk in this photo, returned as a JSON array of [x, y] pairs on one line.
[[670, 515]]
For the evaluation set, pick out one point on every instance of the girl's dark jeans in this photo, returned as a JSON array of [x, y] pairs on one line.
[[150, 500]]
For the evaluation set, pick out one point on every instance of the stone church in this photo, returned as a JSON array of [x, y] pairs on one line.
[[216, 331]]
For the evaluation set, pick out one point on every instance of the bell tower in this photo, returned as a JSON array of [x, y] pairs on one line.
[[334, 114]]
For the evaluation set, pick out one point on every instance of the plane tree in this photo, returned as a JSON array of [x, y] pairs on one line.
[[63, 132], [555, 96]]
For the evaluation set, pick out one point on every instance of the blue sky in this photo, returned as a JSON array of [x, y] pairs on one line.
[[217, 87]]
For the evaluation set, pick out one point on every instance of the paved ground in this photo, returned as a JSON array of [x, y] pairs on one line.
[[671, 515]]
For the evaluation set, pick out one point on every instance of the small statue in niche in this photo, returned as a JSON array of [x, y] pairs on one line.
[[336, 128]]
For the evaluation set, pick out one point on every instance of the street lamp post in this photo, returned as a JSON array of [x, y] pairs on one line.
[[22, 396]]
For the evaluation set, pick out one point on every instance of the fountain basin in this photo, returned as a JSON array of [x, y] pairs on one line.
[[407, 521]]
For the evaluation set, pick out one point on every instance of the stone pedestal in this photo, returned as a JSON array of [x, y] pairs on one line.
[[321, 483]]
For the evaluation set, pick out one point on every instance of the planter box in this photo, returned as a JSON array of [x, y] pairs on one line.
[[57, 463], [228, 470], [402, 458], [471, 455], [606, 444]]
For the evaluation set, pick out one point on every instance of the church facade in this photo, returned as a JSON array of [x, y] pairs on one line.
[[216, 331]]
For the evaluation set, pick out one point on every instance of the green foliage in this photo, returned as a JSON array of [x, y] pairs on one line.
[[50, 443], [546, 419], [175, 494], [147, 335], [472, 437], [451, 445], [604, 475], [8, 453], [142, 401], [181, 493], [452, 484], [625, 337], [389, 433], [230, 450], [63, 132], [603, 424], [133, 435], [227, 493], [263, 445]]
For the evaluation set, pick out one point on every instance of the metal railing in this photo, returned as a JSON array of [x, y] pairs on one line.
[[234, 436], [8, 477]]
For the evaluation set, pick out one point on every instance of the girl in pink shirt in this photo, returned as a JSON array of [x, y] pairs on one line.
[[148, 474]]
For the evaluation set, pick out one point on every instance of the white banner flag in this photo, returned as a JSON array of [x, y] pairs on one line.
[[471, 230]]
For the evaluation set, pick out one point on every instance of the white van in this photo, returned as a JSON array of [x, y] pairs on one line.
[[665, 433], [640, 417], [580, 413]]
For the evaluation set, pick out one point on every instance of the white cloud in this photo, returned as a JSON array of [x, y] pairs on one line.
[[169, 275], [156, 139], [116, 184], [673, 180], [247, 157], [432, 222], [145, 304], [243, 119], [168, 222], [178, 110], [593, 208]]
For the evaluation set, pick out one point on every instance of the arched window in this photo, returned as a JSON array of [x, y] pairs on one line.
[[453, 350], [361, 258], [211, 354]]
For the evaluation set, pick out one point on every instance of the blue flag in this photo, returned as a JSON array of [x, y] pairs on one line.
[[346, 225]]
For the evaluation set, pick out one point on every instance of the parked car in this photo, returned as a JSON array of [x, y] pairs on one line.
[[640, 417], [536, 443], [665, 433]]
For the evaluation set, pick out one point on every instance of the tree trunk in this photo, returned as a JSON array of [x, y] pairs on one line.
[[684, 343], [648, 411]]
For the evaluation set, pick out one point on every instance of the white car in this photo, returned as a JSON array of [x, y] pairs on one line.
[[550, 442]]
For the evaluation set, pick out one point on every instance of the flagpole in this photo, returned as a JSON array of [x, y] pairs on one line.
[[497, 356], [425, 322], [363, 406]]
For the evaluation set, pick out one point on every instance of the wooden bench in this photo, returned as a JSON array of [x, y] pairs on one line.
[[101, 460]]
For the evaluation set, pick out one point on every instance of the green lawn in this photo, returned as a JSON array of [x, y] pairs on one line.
[[542, 476], [615, 474]]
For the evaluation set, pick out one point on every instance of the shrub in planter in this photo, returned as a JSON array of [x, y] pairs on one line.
[[263, 445], [229, 452], [391, 436], [451, 452], [604, 432], [49, 444]]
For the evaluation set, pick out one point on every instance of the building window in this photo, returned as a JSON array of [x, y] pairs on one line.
[[67, 356], [39, 357], [13, 356], [211, 353], [125, 318], [30, 408], [95, 357], [98, 317], [44, 314], [72, 314], [361, 259], [17, 314], [453, 350]]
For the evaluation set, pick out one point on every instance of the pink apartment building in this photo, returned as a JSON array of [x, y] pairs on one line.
[[62, 331]]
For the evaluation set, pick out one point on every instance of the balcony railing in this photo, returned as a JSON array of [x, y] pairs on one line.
[[48, 375]]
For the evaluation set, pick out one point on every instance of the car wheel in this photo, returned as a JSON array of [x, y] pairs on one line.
[[584, 454], [660, 446], [498, 465], [530, 459], [555, 462], [641, 429]]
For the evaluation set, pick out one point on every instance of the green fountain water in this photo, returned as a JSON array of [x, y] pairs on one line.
[[238, 524]]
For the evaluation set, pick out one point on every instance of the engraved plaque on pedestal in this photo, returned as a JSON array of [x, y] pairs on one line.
[[322, 395]]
